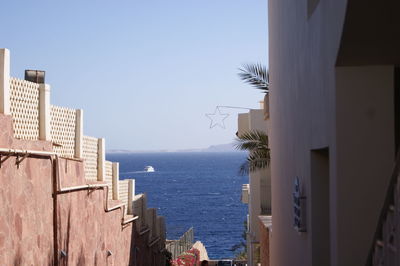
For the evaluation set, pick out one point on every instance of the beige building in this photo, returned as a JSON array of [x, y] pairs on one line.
[[257, 193], [334, 132]]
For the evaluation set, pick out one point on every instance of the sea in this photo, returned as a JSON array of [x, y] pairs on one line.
[[193, 189]]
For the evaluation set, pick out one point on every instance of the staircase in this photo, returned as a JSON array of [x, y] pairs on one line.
[[386, 245]]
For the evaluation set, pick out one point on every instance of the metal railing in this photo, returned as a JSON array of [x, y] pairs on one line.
[[184, 243], [385, 249]]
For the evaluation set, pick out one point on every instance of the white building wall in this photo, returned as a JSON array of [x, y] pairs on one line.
[[302, 61], [313, 105], [365, 153]]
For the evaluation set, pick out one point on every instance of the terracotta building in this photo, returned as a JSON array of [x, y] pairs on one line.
[[61, 202]]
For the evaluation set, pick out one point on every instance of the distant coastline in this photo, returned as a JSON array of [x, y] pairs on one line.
[[229, 147]]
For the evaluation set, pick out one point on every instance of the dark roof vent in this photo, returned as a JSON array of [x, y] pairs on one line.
[[36, 76]]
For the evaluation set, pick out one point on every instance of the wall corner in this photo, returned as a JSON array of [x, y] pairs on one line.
[[44, 112], [5, 104]]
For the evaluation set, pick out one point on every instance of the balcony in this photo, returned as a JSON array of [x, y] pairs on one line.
[[245, 193]]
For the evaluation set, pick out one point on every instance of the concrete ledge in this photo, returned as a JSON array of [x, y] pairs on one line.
[[144, 231], [154, 241], [129, 219]]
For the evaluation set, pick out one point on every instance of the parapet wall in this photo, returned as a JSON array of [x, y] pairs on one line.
[[66, 224], [63, 130], [34, 118], [61, 202], [24, 101], [90, 153]]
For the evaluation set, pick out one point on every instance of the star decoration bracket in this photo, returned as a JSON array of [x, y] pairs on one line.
[[218, 118]]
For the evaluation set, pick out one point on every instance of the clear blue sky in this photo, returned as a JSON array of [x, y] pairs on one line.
[[144, 72]]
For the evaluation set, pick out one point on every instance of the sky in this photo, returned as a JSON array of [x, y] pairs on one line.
[[145, 73]]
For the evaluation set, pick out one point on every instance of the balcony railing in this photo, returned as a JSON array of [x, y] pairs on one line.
[[385, 249], [184, 243]]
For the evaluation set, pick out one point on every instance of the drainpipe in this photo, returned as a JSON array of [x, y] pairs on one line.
[[29, 153], [54, 163], [58, 189]]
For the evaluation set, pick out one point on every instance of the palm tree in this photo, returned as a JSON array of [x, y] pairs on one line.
[[256, 75], [256, 143]]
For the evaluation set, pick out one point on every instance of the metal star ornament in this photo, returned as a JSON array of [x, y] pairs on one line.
[[217, 118]]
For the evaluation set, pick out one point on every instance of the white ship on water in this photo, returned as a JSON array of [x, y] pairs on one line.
[[149, 168]]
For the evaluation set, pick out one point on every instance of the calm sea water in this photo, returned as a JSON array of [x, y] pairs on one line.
[[199, 190]]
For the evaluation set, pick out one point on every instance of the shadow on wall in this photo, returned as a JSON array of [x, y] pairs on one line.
[[81, 261], [65, 231], [64, 260], [18, 259], [137, 255]]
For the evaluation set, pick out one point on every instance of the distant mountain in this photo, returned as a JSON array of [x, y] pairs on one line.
[[136, 151], [118, 151], [221, 148], [230, 147]]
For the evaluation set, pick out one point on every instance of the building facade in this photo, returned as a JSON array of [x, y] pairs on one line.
[[334, 115], [257, 194]]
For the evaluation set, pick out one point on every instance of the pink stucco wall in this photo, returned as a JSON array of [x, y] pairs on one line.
[[86, 232], [26, 204], [34, 225]]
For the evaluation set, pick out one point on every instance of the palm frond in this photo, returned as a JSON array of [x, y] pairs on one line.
[[244, 168], [252, 140], [256, 143], [256, 75], [259, 160], [255, 161], [238, 246]]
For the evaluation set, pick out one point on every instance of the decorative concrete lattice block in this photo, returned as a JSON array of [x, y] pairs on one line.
[[90, 155], [24, 101], [144, 210], [138, 210], [124, 192], [63, 130], [108, 178]]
